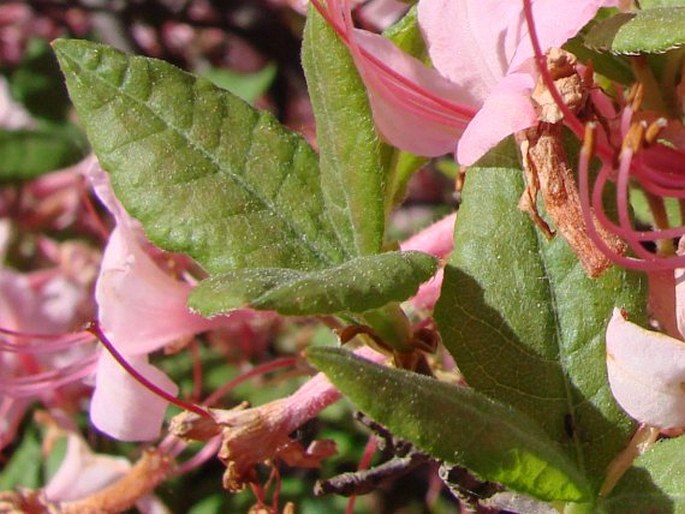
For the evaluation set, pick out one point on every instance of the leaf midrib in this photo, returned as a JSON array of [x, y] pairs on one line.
[[559, 339]]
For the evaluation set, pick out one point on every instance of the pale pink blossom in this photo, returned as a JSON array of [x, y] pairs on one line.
[[646, 373], [43, 304], [95, 482], [479, 91], [141, 309], [647, 369]]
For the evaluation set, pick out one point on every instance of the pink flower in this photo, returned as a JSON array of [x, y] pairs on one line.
[[259, 434], [141, 309], [647, 369], [479, 91], [646, 373], [39, 365]]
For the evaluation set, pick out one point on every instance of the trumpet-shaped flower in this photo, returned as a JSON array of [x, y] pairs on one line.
[[479, 91], [140, 309]]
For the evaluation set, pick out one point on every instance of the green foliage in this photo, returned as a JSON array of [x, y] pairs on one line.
[[457, 425], [355, 286], [28, 153], [25, 467], [38, 83], [204, 172], [352, 157], [248, 86], [653, 30], [651, 4], [654, 485], [525, 323]]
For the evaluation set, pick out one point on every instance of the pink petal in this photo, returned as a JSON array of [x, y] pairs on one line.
[[121, 407], [556, 21], [414, 107], [508, 109], [437, 239], [141, 308], [646, 373], [467, 41], [102, 187], [83, 472], [679, 278]]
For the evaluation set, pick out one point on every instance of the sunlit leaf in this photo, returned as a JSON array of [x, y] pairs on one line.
[[205, 173], [356, 286], [526, 325], [353, 158], [649, 31], [457, 425]]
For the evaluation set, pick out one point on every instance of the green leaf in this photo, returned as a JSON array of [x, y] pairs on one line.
[[38, 83], [406, 35], [457, 425], [654, 485], [205, 173], [650, 31], [26, 154], [26, 464], [651, 4], [352, 156], [248, 86], [356, 286], [526, 325]]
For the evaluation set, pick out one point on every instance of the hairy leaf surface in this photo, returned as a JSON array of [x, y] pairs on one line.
[[356, 286], [525, 324], [205, 173], [457, 425], [353, 158], [653, 30]]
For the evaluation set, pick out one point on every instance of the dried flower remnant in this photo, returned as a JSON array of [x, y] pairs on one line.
[[252, 436], [546, 166]]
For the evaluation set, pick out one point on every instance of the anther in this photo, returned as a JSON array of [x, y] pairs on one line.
[[639, 94], [589, 140], [635, 136], [654, 130]]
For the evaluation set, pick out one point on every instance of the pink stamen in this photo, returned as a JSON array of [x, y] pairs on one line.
[[650, 262], [51, 345], [40, 383], [95, 329]]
